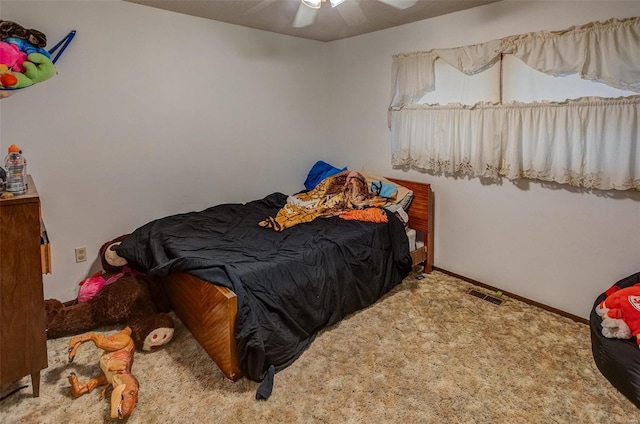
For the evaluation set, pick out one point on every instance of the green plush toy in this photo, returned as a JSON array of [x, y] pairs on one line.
[[38, 68], [23, 80]]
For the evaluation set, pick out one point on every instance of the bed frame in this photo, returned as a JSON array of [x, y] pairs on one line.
[[209, 311]]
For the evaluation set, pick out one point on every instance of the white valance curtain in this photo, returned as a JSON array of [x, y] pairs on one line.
[[591, 142]]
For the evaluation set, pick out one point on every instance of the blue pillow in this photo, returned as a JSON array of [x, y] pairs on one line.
[[383, 189], [319, 171]]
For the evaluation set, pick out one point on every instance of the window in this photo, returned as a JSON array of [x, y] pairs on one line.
[[548, 119]]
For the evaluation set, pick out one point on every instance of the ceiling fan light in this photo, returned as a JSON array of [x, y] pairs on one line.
[[314, 4], [334, 3]]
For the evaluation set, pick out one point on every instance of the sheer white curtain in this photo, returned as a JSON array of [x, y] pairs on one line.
[[448, 139], [590, 141]]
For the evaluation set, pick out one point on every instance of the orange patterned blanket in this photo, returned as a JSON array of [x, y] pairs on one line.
[[334, 196]]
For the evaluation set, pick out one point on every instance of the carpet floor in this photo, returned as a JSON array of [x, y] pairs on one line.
[[428, 352]]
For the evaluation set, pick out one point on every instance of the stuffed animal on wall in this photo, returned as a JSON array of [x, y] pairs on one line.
[[26, 47], [22, 52], [10, 29], [37, 68], [133, 298], [11, 56], [620, 313], [7, 79]]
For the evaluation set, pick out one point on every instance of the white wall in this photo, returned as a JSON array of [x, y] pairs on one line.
[[154, 113], [547, 242]]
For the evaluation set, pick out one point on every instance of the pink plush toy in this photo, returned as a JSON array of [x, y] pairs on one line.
[[620, 313], [92, 285], [11, 56]]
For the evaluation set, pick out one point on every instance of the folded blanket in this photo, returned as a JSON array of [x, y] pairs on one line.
[[367, 215]]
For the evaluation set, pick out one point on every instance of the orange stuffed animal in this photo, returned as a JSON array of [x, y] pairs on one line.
[[115, 363], [620, 313]]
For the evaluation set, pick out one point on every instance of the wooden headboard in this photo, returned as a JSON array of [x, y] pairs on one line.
[[421, 214]]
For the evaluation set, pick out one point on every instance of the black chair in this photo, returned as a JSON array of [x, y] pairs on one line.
[[617, 359]]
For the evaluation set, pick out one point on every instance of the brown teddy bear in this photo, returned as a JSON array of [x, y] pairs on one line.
[[128, 297]]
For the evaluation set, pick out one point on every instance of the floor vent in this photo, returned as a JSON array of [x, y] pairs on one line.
[[487, 297]]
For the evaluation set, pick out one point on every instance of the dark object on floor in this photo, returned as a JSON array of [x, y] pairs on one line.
[[617, 359], [14, 391]]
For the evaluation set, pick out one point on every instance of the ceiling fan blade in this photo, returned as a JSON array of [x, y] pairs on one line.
[[305, 16], [351, 13], [399, 4], [258, 7]]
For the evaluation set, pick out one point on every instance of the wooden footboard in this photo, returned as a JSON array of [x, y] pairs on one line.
[[209, 312]]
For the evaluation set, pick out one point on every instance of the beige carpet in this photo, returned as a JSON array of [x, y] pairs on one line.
[[426, 353]]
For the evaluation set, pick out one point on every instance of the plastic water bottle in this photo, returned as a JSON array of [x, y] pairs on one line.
[[16, 167]]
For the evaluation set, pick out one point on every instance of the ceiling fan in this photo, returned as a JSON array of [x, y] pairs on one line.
[[349, 10]]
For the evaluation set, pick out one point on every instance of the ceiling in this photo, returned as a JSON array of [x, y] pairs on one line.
[[364, 16]]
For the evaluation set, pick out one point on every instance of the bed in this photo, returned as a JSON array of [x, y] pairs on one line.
[[208, 298]]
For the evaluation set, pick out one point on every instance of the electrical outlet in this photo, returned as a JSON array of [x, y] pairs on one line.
[[81, 254]]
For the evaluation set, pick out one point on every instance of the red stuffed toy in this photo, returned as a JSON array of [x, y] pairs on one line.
[[124, 296], [620, 313]]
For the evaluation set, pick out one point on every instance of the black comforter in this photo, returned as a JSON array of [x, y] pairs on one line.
[[289, 284]]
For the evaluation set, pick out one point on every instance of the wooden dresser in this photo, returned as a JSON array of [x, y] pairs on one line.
[[23, 340]]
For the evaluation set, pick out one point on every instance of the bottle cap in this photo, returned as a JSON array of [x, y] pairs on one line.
[[13, 148]]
